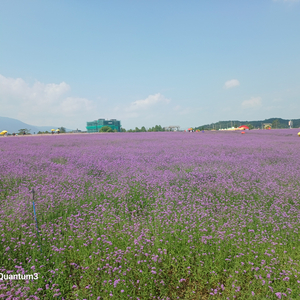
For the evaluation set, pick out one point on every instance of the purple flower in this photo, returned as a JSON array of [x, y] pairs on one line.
[[286, 278]]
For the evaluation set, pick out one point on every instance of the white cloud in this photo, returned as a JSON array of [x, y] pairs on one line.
[[231, 83], [154, 109], [10, 88], [254, 102], [148, 103], [42, 104], [71, 106], [52, 104]]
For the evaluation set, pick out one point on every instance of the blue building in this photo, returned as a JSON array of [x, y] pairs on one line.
[[94, 126]]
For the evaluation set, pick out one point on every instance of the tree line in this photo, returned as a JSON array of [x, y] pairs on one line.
[[275, 123], [26, 131], [142, 129], [61, 130]]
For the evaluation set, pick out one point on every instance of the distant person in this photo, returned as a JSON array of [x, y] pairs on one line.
[[24, 132], [13, 134]]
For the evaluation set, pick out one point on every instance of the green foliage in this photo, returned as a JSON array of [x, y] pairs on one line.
[[59, 160], [156, 128], [151, 129], [21, 131], [188, 268], [62, 129], [105, 129], [276, 124]]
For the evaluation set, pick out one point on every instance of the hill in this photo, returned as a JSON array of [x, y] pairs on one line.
[[13, 125], [276, 123]]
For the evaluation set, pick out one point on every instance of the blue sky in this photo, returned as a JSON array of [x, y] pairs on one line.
[[183, 63]]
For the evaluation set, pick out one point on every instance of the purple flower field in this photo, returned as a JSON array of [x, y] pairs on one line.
[[211, 215]]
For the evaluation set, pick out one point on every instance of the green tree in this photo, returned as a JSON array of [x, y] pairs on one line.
[[21, 131], [275, 123], [105, 129], [62, 129], [250, 126], [156, 128], [143, 129], [123, 130]]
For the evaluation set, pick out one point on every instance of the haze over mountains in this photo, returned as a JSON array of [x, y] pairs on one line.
[[14, 125]]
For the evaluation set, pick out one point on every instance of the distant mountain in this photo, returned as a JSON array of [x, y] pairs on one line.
[[13, 125], [276, 123]]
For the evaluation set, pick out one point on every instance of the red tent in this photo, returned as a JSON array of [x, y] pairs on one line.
[[244, 127]]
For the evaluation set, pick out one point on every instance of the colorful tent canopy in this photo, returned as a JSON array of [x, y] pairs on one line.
[[244, 127]]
